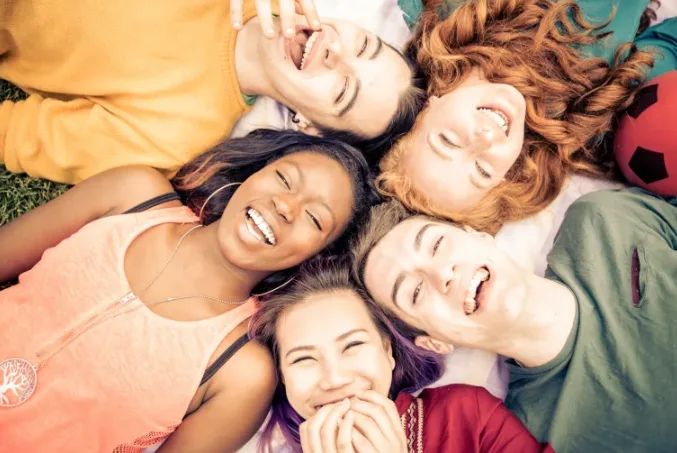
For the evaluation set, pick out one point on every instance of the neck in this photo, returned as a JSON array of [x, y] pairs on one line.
[[544, 326], [251, 75], [207, 269]]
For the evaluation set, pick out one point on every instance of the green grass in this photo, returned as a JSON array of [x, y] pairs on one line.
[[20, 193]]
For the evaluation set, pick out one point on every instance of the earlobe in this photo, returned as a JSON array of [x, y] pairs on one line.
[[433, 345], [304, 125]]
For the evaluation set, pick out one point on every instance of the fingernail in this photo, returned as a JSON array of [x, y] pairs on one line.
[[289, 31], [315, 23], [269, 31], [237, 24]]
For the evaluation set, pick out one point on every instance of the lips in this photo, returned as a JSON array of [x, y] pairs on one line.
[[259, 227], [473, 293], [304, 46]]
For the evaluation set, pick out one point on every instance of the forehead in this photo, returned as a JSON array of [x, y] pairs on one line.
[[321, 318]]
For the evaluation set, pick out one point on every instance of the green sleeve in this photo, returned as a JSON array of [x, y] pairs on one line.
[[624, 24], [663, 38], [411, 11]]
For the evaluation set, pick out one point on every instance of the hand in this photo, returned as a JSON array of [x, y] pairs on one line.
[[319, 433], [377, 427], [287, 10]]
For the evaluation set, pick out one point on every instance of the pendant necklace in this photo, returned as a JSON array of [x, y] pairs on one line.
[[20, 376]]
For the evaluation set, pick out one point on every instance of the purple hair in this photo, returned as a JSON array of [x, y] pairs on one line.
[[415, 367]]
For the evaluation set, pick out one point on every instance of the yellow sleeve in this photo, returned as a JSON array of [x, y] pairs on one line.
[[68, 141]]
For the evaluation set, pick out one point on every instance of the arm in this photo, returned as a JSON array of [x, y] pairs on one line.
[[501, 431], [229, 418], [662, 38], [23, 241], [69, 141]]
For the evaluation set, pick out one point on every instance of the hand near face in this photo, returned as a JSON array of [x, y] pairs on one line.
[[376, 426], [287, 10], [368, 423]]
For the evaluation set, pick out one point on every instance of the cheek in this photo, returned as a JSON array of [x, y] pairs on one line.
[[299, 388]]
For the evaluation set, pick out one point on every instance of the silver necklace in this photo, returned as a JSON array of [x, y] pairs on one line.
[[20, 376]]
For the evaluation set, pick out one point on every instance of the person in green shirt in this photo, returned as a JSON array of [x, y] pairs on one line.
[[592, 345], [522, 94]]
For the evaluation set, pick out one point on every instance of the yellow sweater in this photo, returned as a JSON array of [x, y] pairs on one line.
[[115, 82]]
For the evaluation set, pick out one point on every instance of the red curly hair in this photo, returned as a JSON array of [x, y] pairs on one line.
[[571, 100]]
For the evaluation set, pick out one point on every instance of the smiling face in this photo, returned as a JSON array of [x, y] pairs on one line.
[[342, 77], [430, 274], [465, 142], [286, 212], [330, 349]]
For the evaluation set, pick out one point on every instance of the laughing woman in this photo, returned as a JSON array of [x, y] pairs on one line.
[[347, 372], [133, 292], [522, 95]]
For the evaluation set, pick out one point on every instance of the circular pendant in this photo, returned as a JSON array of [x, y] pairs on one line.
[[18, 381]]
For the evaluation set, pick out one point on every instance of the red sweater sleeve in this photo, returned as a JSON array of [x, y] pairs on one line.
[[501, 431]]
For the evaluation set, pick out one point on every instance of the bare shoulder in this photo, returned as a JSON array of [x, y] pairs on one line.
[[134, 184]]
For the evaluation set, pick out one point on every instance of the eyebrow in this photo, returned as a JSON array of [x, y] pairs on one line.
[[417, 246], [353, 99], [341, 337], [323, 202]]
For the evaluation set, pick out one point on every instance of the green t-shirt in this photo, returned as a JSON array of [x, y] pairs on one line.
[[661, 37], [613, 388]]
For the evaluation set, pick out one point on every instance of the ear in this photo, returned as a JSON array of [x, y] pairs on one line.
[[433, 345], [305, 125], [468, 229], [387, 346]]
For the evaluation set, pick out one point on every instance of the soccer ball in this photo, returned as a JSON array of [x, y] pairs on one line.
[[645, 144]]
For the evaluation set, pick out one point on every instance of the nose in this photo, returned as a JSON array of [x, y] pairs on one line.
[[335, 376], [286, 207], [485, 133], [334, 56], [442, 275]]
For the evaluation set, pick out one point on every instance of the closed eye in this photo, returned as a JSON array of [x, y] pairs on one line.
[[437, 245], [352, 345], [417, 291], [343, 91], [314, 219], [302, 359], [283, 179], [447, 141], [485, 174], [365, 45]]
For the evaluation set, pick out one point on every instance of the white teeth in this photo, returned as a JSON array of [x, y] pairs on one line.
[[497, 116], [470, 304], [309, 46], [262, 225]]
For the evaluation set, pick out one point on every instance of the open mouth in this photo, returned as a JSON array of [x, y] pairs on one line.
[[303, 46], [497, 116], [259, 228], [470, 304]]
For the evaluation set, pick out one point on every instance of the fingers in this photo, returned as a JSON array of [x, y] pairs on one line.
[[362, 445], [265, 14], [236, 13], [311, 431], [307, 8], [373, 434], [287, 18], [389, 410], [330, 427], [344, 439]]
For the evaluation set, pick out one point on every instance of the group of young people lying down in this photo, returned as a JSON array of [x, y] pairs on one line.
[[165, 296]]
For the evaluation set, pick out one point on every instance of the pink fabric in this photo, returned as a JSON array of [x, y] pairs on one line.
[[131, 377]]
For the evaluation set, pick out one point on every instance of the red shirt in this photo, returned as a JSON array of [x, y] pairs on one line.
[[463, 419]]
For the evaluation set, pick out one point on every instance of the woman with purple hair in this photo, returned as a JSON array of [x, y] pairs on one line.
[[347, 371]]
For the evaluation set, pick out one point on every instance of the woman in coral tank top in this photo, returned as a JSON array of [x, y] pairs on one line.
[[133, 291]]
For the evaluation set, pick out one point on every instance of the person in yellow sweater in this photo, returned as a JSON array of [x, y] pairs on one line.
[[157, 83]]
